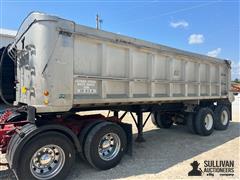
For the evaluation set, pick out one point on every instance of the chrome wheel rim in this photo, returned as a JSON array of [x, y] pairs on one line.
[[47, 162], [109, 146], [224, 117], [208, 121]]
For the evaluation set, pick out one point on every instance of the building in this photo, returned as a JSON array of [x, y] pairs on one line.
[[7, 74], [6, 36]]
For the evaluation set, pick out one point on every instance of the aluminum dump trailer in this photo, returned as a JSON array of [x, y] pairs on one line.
[[63, 68], [82, 66]]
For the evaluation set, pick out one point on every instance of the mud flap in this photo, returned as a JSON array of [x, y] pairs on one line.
[[128, 130]]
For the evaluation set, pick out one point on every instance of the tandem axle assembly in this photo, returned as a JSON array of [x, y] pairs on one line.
[[23, 130]]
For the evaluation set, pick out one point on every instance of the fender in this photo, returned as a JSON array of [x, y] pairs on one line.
[[27, 132]]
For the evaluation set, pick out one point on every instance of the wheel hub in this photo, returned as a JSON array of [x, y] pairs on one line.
[[224, 117], [106, 144], [208, 121], [45, 159], [109, 146], [47, 162]]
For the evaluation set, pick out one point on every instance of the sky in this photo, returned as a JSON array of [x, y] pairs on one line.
[[209, 27]]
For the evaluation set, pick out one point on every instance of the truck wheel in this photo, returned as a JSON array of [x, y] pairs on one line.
[[204, 121], [161, 120], [105, 145], [190, 123], [83, 136], [49, 155], [222, 117]]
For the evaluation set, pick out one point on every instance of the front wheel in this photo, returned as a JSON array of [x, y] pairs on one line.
[[49, 155]]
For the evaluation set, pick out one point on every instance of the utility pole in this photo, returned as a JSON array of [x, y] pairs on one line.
[[98, 22]]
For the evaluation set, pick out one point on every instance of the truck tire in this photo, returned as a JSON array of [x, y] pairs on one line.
[[49, 155], [190, 118], [161, 120], [105, 145], [83, 135], [204, 121], [222, 117]]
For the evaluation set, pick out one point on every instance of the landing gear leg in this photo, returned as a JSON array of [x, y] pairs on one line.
[[115, 114], [140, 127]]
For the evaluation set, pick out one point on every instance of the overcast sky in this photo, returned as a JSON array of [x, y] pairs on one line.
[[205, 27]]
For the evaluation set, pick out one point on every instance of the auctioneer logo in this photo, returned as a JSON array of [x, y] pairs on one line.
[[196, 171], [212, 167]]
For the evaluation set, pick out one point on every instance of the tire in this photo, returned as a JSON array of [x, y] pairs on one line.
[[222, 117], [83, 135], [161, 120], [59, 148], [190, 123], [93, 146], [204, 121]]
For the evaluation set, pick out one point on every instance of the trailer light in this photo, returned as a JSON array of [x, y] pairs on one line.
[[46, 101], [24, 90], [46, 93]]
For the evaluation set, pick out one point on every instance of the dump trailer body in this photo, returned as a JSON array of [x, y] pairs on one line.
[[62, 65]]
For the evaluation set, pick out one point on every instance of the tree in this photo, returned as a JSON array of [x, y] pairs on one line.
[[237, 80]]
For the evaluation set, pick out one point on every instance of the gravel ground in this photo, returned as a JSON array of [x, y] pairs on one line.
[[167, 154]]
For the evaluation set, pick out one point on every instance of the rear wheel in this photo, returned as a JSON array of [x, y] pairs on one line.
[[105, 145], [161, 120], [222, 117], [204, 121], [49, 155]]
